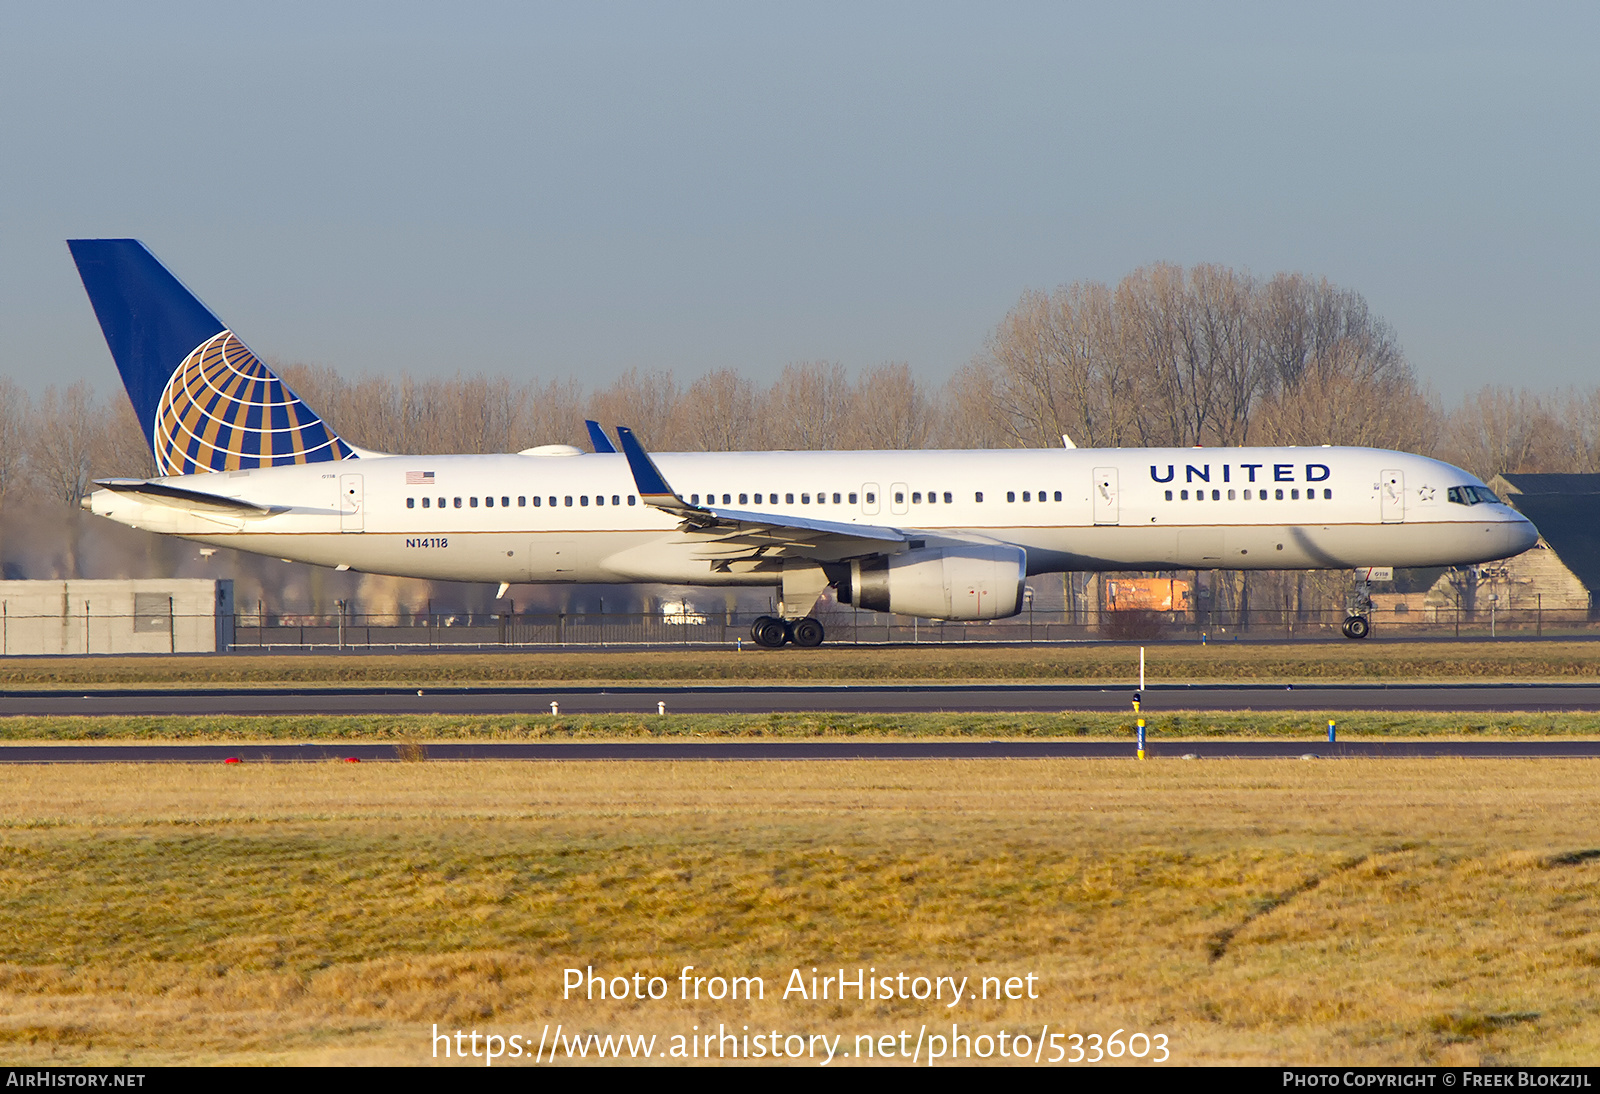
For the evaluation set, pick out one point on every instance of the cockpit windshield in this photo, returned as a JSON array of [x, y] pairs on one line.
[[1471, 495]]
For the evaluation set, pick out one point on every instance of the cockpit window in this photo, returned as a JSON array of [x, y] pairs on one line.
[[1470, 495]]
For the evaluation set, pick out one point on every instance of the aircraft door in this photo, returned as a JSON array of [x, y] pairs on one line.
[[352, 516], [1392, 497], [870, 501], [1106, 509]]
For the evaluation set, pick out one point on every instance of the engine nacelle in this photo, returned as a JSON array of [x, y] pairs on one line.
[[967, 582]]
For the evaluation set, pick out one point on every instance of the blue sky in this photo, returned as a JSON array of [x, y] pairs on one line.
[[580, 189]]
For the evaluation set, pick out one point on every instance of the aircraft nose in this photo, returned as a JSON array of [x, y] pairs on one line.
[[1519, 535]]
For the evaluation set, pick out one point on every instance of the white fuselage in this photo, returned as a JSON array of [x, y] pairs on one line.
[[1069, 509]]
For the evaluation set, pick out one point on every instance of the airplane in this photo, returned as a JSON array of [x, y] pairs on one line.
[[244, 463]]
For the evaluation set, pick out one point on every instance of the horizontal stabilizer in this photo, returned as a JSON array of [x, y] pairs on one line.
[[177, 496]]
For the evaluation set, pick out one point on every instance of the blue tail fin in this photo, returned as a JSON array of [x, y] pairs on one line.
[[205, 401]]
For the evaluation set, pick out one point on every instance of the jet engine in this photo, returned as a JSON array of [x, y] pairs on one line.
[[965, 582]]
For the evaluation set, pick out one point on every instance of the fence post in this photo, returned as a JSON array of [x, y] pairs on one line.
[[1539, 614], [172, 634]]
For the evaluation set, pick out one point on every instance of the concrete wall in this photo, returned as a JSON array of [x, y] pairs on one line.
[[147, 615]]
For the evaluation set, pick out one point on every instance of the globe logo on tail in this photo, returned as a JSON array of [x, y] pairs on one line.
[[223, 410]]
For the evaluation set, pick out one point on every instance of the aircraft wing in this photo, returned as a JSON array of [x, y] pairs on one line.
[[178, 497], [734, 533]]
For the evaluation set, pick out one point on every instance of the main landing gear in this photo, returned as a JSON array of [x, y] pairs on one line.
[[772, 632]]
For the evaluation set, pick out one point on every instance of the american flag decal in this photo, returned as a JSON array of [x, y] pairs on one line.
[[419, 478]]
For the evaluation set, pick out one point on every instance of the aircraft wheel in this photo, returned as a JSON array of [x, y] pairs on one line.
[[755, 628], [769, 632], [1356, 627], [807, 632]]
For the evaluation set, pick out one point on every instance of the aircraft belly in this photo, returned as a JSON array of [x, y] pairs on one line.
[[1260, 547]]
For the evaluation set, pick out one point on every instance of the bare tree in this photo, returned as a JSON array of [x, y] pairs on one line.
[[807, 408], [720, 412], [889, 410], [15, 439], [64, 440]]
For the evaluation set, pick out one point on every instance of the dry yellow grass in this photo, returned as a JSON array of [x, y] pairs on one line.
[[1253, 911]]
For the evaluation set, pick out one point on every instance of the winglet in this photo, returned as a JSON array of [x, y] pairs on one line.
[[647, 477], [597, 437]]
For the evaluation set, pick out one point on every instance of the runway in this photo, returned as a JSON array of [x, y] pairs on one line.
[[876, 749], [840, 699]]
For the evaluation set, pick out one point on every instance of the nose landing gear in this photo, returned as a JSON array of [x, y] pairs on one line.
[[1358, 608], [772, 632]]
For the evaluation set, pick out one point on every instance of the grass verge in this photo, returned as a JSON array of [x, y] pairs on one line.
[[1112, 664], [1399, 912], [522, 727]]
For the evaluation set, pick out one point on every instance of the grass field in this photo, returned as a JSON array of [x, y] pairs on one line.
[[1114, 664], [421, 728], [1264, 912]]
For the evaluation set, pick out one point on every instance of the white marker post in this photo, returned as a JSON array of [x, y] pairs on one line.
[[1138, 698]]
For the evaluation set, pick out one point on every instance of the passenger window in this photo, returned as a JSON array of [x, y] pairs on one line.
[[1277, 495], [569, 501], [872, 499], [1216, 495], [1247, 495], [694, 499], [1058, 496], [505, 503], [949, 498], [836, 499], [1183, 495], [1025, 496], [1011, 495], [522, 501], [616, 499], [852, 499], [536, 500], [425, 502], [1294, 495], [788, 499], [1327, 495], [916, 498], [1231, 495], [599, 499], [441, 503], [411, 503], [978, 496], [899, 498], [727, 499], [472, 503], [630, 499], [458, 503], [1169, 495], [805, 499], [487, 501], [583, 499], [744, 499]]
